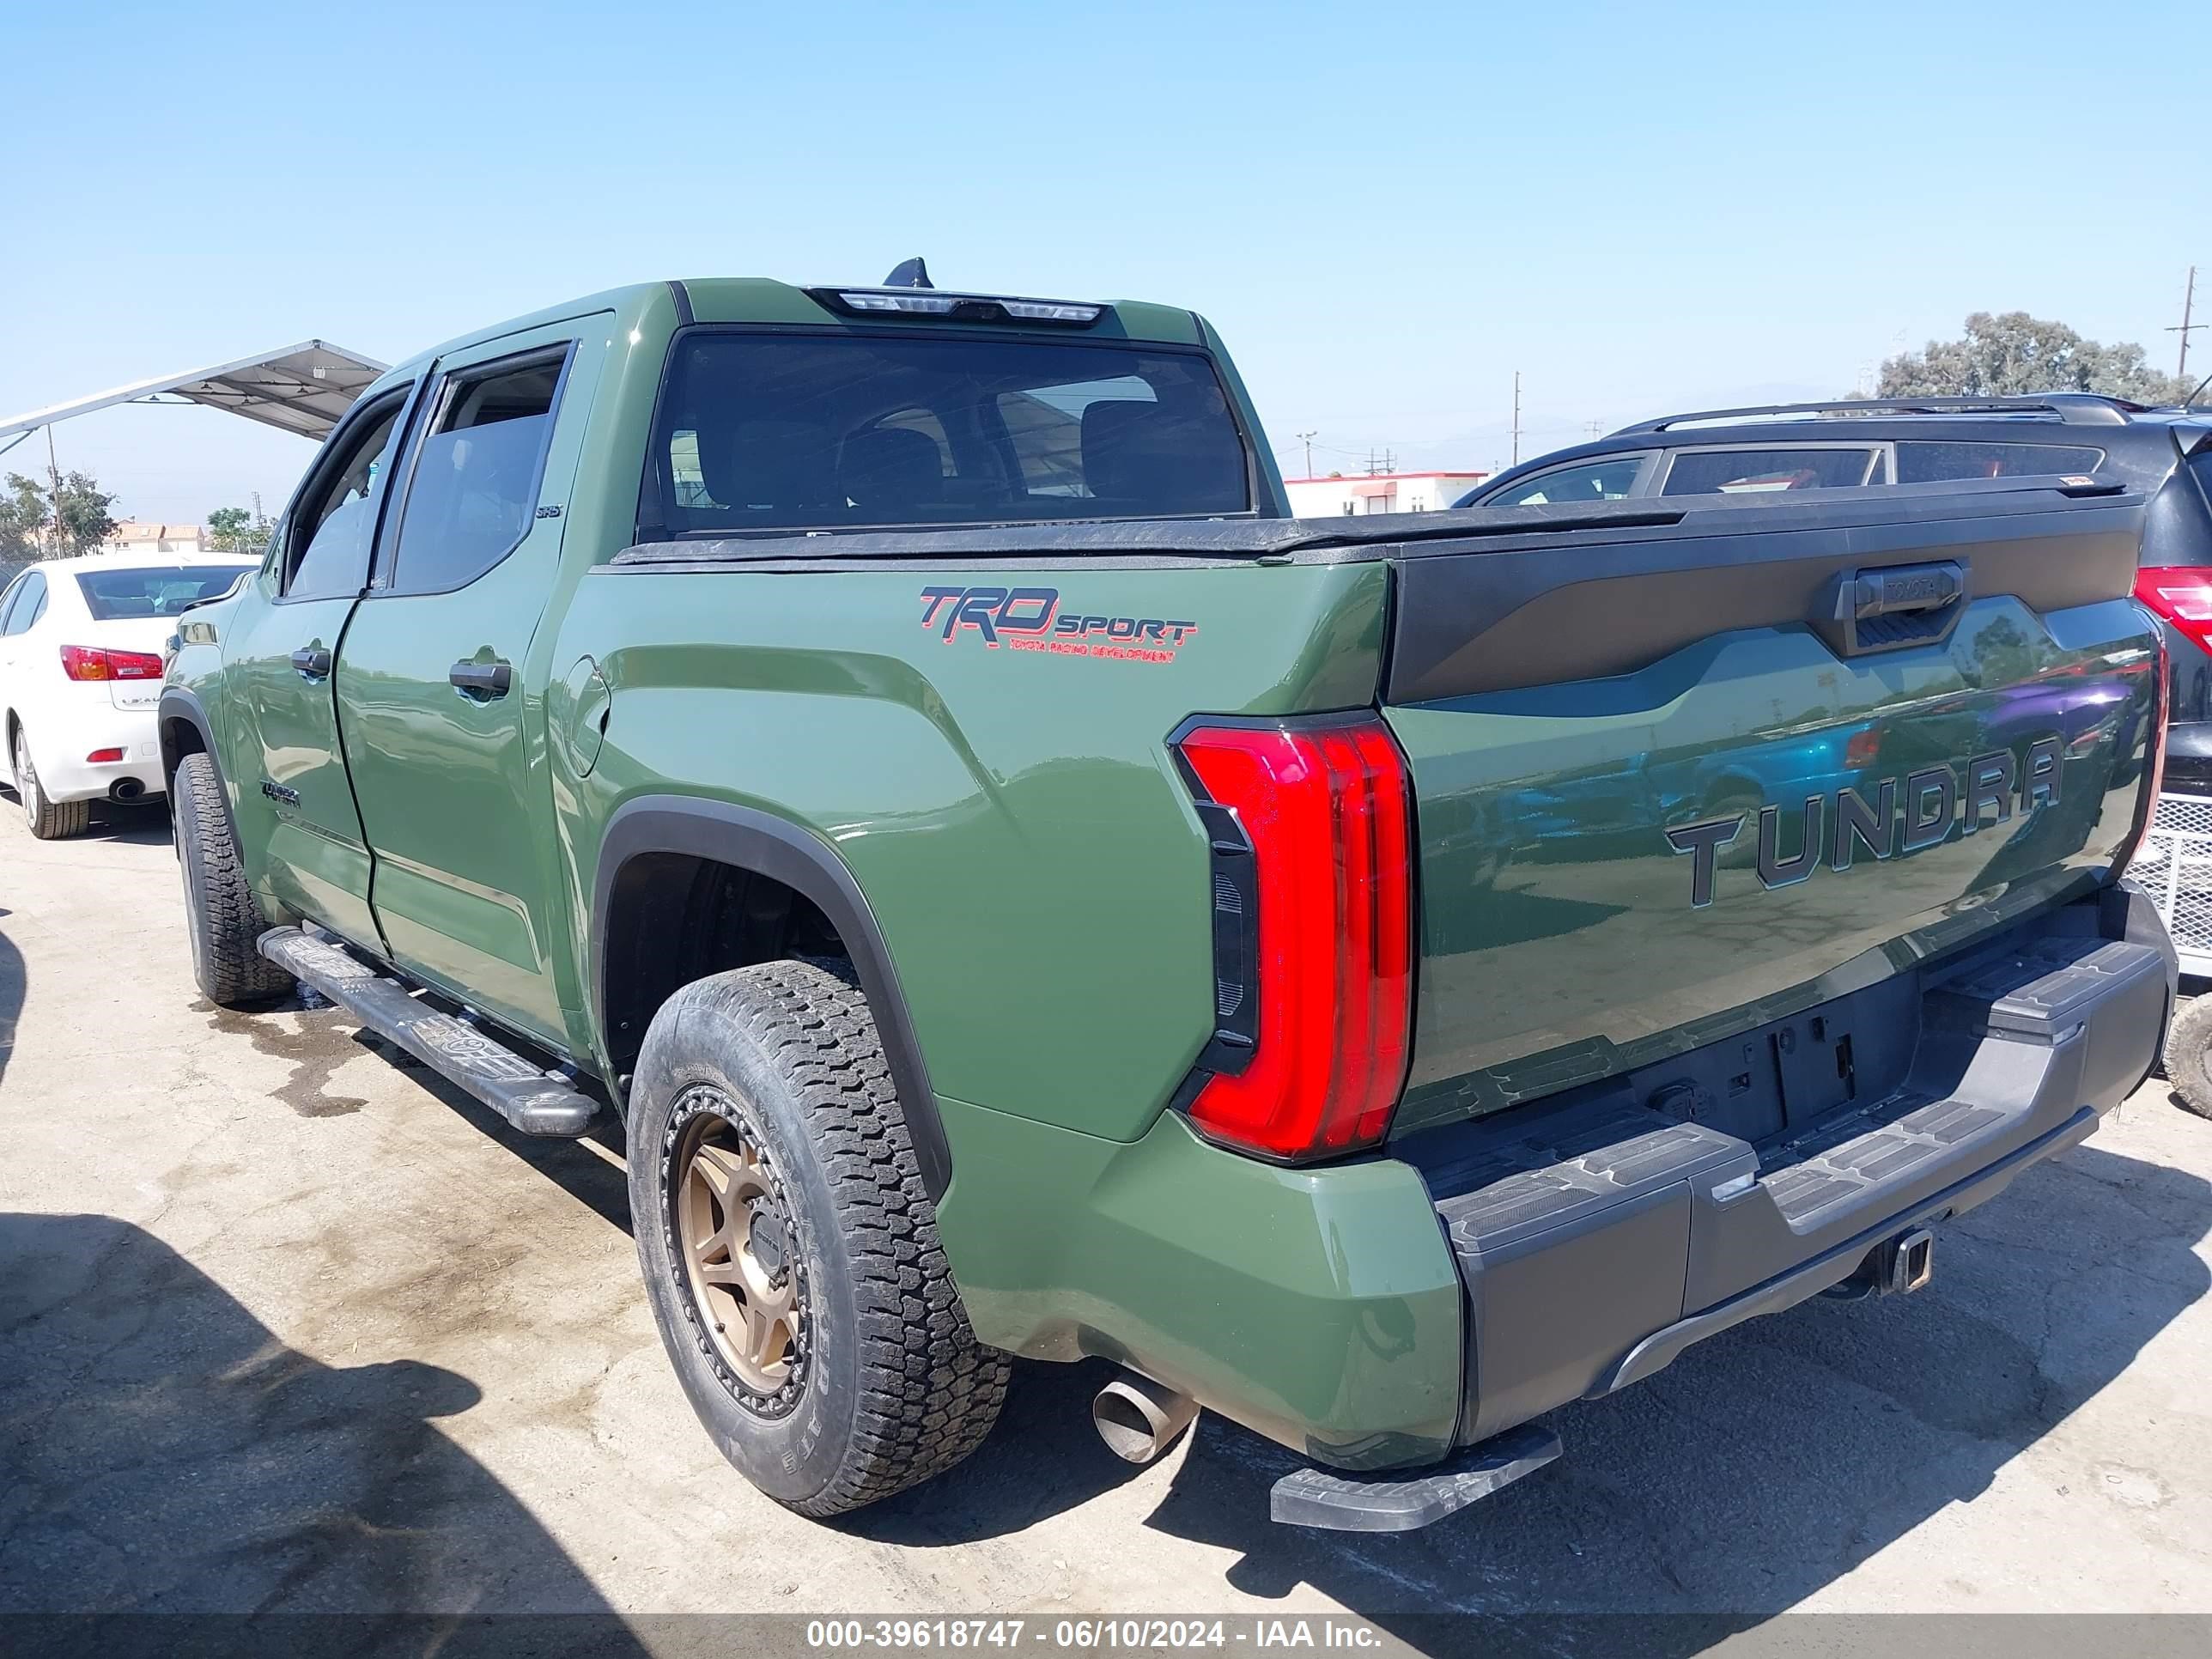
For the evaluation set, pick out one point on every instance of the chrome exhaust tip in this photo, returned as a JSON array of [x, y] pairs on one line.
[[1139, 1418], [126, 790]]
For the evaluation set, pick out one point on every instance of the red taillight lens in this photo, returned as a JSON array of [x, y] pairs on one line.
[[1864, 748], [1324, 807], [2182, 596], [90, 662], [103, 757]]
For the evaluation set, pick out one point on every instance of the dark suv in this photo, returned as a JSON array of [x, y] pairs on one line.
[[1850, 444]]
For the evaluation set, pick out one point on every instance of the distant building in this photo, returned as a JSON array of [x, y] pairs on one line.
[[132, 537], [1378, 492]]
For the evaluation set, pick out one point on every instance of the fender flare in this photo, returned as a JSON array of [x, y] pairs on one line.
[[781, 850], [179, 705]]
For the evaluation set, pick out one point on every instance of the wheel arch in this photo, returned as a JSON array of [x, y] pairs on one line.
[[760, 843], [181, 722]]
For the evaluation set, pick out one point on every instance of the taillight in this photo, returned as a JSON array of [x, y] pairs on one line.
[[2181, 594], [1322, 805], [1864, 748], [104, 756], [90, 662]]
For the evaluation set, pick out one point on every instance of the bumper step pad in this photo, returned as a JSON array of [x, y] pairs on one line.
[[1395, 1501], [534, 1100]]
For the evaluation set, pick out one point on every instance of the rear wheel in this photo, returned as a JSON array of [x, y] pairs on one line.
[[49, 820], [2189, 1054], [220, 916], [789, 1248]]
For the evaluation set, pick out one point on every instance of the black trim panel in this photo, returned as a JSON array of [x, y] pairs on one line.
[[774, 848], [1504, 618]]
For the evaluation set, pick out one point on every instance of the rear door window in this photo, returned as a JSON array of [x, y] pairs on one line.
[[787, 432], [1928, 461], [1611, 479], [473, 488], [156, 591], [1760, 472]]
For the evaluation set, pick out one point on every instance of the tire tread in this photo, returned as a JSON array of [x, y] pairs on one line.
[[235, 974], [929, 1392]]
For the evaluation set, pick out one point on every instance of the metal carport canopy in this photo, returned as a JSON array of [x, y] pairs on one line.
[[302, 389]]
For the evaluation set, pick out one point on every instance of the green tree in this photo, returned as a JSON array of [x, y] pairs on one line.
[[2014, 354], [22, 520], [47, 523], [235, 530]]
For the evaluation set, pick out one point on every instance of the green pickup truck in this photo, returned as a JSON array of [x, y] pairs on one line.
[[1021, 893]]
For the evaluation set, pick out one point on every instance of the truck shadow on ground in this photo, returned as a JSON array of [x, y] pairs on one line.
[[161, 1452], [1758, 1469], [11, 994]]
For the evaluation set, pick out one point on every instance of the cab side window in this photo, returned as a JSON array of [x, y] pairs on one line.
[[326, 551]]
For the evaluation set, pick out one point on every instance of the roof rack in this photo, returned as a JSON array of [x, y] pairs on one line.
[[2074, 408]]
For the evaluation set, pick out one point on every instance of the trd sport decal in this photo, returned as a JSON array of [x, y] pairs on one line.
[[1031, 619]]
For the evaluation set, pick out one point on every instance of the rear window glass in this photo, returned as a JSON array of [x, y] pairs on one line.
[[1919, 462], [1752, 471], [156, 591], [767, 433]]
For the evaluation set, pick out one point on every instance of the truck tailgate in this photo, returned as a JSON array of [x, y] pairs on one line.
[[1676, 781]]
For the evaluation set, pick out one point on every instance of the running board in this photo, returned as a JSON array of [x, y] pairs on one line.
[[535, 1101]]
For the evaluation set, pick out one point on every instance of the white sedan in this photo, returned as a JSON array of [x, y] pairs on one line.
[[81, 645]]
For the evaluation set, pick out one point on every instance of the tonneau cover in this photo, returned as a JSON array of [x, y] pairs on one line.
[[1379, 536]]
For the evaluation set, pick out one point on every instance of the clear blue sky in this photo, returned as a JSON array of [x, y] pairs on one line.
[[1387, 208]]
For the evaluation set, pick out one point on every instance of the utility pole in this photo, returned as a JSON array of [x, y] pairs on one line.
[[1517, 418], [54, 496], [1307, 438], [2188, 304], [1591, 426]]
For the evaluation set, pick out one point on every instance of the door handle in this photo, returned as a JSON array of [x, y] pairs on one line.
[[482, 680], [312, 662]]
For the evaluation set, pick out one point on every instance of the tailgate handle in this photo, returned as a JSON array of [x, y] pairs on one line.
[[1890, 607]]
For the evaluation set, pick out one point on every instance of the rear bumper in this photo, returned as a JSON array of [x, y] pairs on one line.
[[1597, 1242], [65, 731]]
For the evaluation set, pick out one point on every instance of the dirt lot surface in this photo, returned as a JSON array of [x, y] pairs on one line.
[[285, 1325]]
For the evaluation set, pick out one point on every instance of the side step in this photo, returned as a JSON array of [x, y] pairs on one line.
[[535, 1101], [1397, 1501]]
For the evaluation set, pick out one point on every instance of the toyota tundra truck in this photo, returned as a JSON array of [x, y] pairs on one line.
[[1020, 893]]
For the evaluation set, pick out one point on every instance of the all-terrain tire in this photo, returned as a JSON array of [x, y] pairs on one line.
[[49, 820], [220, 916], [883, 1383], [2189, 1054]]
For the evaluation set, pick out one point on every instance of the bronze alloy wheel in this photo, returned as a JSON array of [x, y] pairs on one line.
[[739, 1251]]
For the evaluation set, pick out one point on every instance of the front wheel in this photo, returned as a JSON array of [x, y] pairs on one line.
[[48, 820], [789, 1248]]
